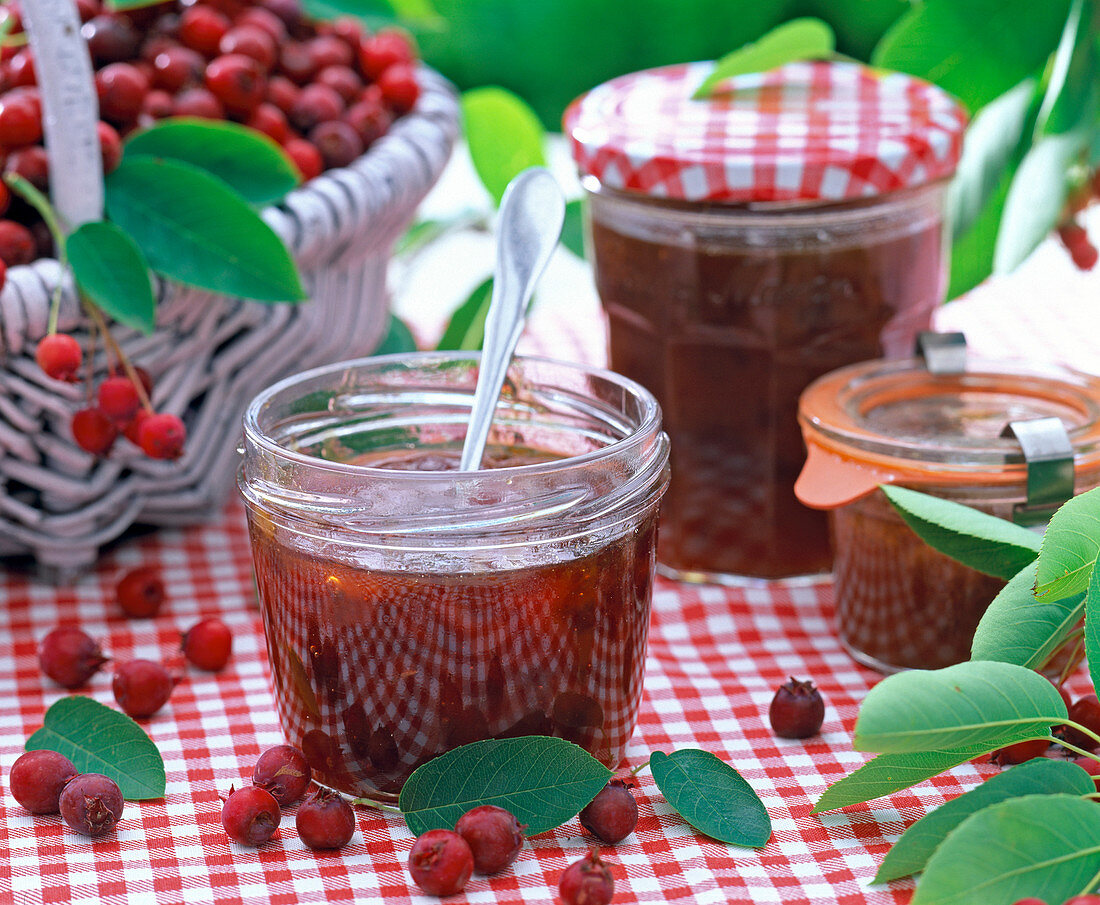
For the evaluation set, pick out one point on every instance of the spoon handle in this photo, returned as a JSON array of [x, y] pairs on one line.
[[531, 215]]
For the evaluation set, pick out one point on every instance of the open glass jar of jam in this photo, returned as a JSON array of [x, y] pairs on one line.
[[899, 603], [743, 246], [410, 608]]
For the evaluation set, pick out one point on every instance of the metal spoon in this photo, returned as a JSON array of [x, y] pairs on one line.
[[531, 215]]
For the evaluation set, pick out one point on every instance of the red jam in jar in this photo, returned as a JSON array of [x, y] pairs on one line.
[[901, 604], [410, 608], [744, 246]]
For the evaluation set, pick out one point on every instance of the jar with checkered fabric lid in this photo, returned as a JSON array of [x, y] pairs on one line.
[[744, 244]]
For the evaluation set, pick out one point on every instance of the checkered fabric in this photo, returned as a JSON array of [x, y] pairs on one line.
[[805, 131], [715, 657]]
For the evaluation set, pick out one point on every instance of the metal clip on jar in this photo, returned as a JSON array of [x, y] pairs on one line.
[[899, 603], [410, 608], [743, 246]]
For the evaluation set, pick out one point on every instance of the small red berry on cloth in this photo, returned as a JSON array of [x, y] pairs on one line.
[[441, 862], [797, 710]]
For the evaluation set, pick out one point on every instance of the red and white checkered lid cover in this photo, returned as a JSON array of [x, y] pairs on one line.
[[819, 130]]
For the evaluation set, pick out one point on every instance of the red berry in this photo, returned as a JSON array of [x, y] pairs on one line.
[[17, 244], [1088, 899], [250, 41], [494, 836], [441, 862], [296, 62], [93, 431], [1090, 766], [142, 687], [20, 120], [5, 198], [91, 803], [118, 399], [132, 431], [284, 772], [384, 49], [87, 9], [121, 88], [158, 105], [612, 815], [59, 356], [349, 31], [338, 143], [110, 147], [305, 157], [200, 103], [32, 164], [140, 592], [37, 778], [271, 121], [343, 80], [797, 710], [1086, 711], [1030, 900], [110, 39], [237, 81], [208, 644], [400, 88], [290, 11], [250, 815], [328, 50], [586, 882], [266, 21], [162, 436], [176, 68], [1084, 256], [325, 820], [1020, 752], [3, 274], [282, 92], [201, 28], [70, 656], [316, 104], [21, 72], [369, 119]]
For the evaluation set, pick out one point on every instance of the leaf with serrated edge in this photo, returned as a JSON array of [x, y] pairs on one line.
[[973, 703], [1070, 547], [1046, 845], [889, 773], [1041, 776], [111, 270], [543, 781], [98, 739], [799, 39], [984, 542], [712, 796], [1017, 628]]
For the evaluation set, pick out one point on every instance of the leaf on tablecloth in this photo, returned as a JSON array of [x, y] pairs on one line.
[[98, 739], [712, 796], [543, 781]]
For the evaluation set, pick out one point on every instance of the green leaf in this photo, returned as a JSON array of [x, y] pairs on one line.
[[398, 338], [112, 272], [1041, 776], [1070, 547], [975, 49], [984, 542], [889, 773], [973, 703], [1036, 197], [466, 328], [799, 39], [972, 253], [992, 141], [98, 739], [194, 229], [543, 781], [572, 231], [712, 796], [123, 5], [1017, 628], [375, 13], [246, 160], [1092, 626], [1036, 845], [504, 135], [1073, 91]]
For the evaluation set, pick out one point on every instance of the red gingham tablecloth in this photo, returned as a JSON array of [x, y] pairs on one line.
[[715, 657]]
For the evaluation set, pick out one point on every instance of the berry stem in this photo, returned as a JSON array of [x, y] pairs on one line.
[[42, 205], [116, 350], [638, 769], [371, 803], [1074, 748], [1075, 658]]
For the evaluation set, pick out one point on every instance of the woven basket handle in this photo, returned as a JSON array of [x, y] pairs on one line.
[[70, 109]]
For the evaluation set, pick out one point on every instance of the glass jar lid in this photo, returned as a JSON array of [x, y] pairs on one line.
[[897, 422], [807, 131]]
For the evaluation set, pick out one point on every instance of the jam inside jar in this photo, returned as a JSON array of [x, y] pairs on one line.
[[410, 608]]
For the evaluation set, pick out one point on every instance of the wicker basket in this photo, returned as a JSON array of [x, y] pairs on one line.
[[209, 355]]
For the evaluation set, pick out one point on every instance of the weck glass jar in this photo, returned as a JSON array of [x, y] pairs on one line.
[[410, 608], [899, 603], [743, 246]]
